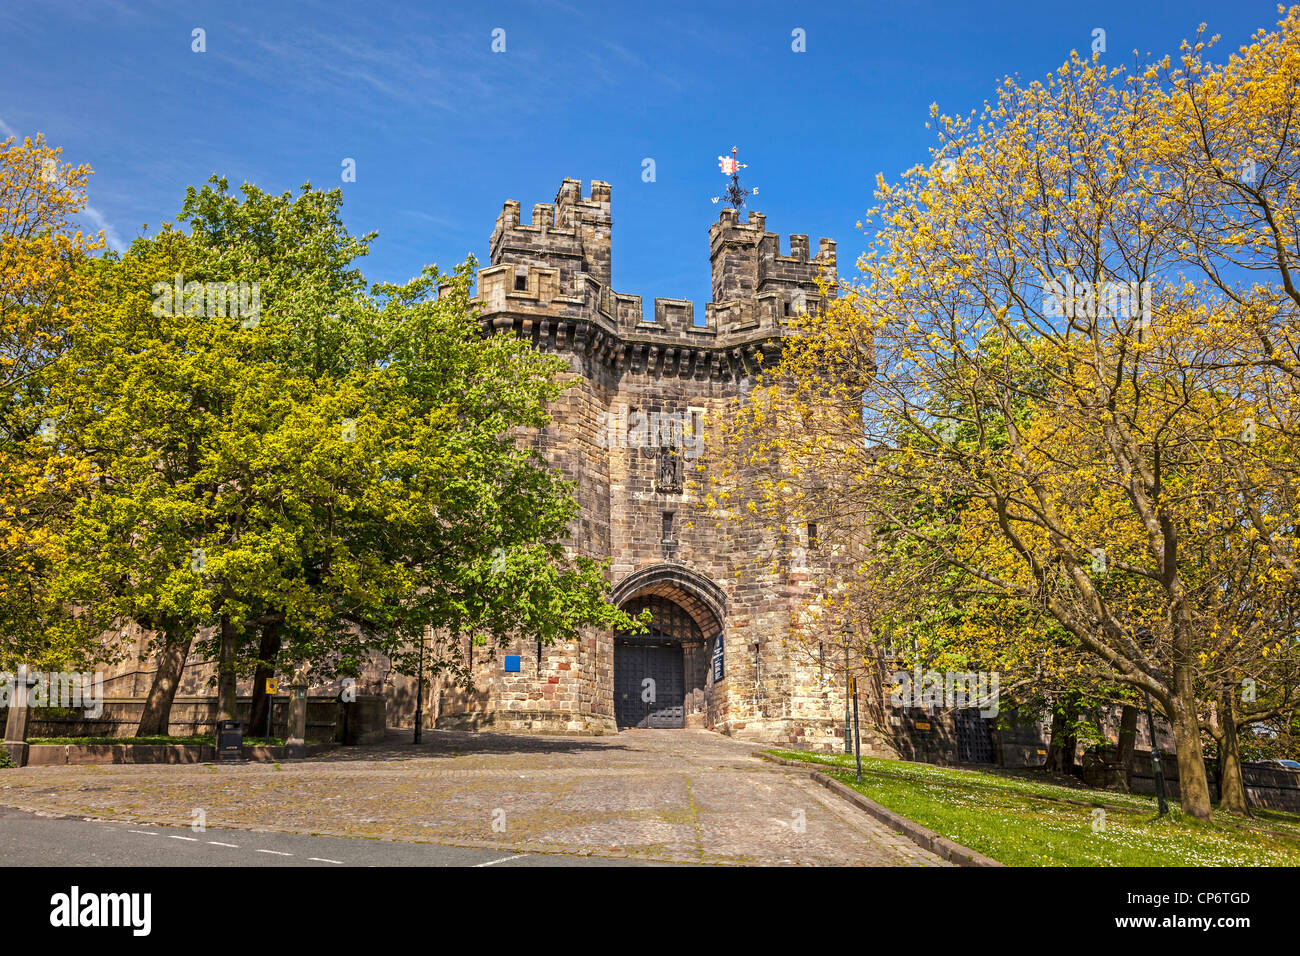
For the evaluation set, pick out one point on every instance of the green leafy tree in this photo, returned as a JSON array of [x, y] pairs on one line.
[[335, 478]]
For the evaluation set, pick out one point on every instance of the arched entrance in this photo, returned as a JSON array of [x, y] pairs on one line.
[[661, 677]]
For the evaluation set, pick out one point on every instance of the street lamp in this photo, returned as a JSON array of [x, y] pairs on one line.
[[1155, 757], [857, 732], [848, 740], [1146, 637], [419, 690]]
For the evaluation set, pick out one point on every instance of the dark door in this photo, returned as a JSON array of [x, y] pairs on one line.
[[635, 666], [974, 742]]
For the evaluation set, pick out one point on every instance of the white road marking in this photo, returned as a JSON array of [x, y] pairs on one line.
[[275, 852], [190, 839], [142, 832], [504, 859], [320, 859], [234, 846]]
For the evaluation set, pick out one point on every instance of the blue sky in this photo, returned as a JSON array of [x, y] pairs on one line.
[[443, 130]]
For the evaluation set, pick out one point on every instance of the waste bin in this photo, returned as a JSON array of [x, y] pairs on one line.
[[230, 740]]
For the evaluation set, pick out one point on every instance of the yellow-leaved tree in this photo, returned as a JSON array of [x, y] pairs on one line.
[[43, 277], [1066, 382]]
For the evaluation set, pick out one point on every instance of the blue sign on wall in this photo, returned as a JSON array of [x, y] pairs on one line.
[[719, 665], [512, 662]]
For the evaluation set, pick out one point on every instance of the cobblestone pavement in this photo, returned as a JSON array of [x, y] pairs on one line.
[[686, 796]]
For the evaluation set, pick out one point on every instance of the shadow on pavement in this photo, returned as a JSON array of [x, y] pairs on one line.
[[397, 745]]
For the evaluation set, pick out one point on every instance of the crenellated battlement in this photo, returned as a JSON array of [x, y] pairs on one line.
[[747, 260], [572, 234], [549, 280]]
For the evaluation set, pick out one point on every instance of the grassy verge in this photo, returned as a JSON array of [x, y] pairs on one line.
[[128, 741], [1020, 821]]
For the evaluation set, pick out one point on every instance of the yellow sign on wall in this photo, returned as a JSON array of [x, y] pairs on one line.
[[272, 685]]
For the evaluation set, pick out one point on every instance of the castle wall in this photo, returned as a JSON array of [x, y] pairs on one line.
[[549, 282]]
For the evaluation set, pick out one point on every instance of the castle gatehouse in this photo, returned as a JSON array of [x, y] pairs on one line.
[[630, 433]]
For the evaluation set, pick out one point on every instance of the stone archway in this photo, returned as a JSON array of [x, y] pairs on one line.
[[662, 678]]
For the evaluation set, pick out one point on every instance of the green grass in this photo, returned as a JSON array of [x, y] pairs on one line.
[[1022, 821], [129, 741], [1275, 820]]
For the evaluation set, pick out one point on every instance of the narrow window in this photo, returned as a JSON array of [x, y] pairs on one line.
[[812, 535], [521, 282], [668, 526]]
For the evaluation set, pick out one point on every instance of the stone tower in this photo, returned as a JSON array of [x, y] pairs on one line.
[[631, 435]]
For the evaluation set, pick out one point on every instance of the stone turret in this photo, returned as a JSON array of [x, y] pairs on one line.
[[747, 263], [549, 279], [572, 235]]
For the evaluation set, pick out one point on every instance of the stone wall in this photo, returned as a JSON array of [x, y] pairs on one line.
[[131, 676], [548, 282], [1266, 787], [328, 719]]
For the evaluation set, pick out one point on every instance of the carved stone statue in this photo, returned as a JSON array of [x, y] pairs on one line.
[[669, 470]]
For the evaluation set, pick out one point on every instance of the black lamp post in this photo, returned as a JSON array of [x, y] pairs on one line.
[[1146, 637], [1155, 758], [419, 692], [848, 740], [857, 732]]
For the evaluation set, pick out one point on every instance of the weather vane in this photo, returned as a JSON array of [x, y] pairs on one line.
[[736, 193]]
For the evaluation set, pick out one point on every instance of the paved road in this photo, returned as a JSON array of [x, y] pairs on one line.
[[672, 796], [30, 840]]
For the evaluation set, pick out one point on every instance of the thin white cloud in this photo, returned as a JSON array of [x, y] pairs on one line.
[[448, 224], [110, 234], [94, 215]]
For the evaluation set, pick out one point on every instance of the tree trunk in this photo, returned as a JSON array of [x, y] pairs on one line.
[[1193, 786], [226, 677], [1053, 762], [157, 716], [1232, 789], [1070, 742], [1063, 742], [1128, 721], [266, 653]]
